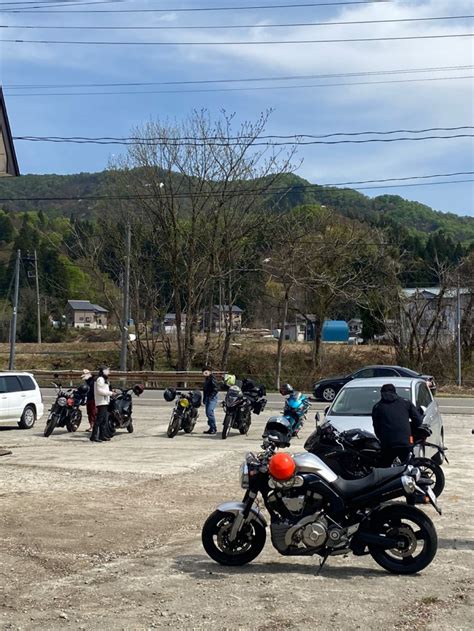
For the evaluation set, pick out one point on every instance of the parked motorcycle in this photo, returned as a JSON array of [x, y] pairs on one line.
[[185, 413], [314, 511], [354, 453], [239, 403], [121, 408], [65, 411], [285, 427]]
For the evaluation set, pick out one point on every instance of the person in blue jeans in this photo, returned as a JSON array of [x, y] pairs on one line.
[[211, 397]]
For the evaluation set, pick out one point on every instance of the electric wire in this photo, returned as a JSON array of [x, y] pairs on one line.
[[293, 188], [209, 143], [30, 86], [264, 7], [241, 42], [229, 26]]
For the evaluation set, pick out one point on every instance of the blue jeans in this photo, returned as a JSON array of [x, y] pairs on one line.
[[211, 405]]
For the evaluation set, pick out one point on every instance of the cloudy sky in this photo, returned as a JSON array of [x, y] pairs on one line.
[[315, 108]]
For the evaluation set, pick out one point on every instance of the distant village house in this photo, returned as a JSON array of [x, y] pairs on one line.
[[222, 315], [82, 314]]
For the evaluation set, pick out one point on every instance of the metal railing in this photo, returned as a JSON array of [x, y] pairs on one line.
[[150, 379]]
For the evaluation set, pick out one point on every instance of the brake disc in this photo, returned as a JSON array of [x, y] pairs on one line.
[[410, 541]]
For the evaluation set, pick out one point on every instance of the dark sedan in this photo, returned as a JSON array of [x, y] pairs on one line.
[[326, 389]]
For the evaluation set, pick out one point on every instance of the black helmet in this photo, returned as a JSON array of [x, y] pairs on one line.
[[169, 394], [138, 389], [84, 389], [286, 389]]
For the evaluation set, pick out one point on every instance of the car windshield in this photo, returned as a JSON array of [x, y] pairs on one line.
[[360, 401]]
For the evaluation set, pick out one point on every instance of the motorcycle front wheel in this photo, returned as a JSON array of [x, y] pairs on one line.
[[416, 534], [73, 423], [130, 427], [248, 545], [174, 425], [433, 472], [50, 425], [228, 422]]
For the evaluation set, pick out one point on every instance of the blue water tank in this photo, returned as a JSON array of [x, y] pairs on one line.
[[335, 331]]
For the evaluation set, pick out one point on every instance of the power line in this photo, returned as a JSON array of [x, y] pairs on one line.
[[241, 43], [245, 89], [271, 190], [249, 80], [300, 5], [231, 26], [230, 139], [211, 143]]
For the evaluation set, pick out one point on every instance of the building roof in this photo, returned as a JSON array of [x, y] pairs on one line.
[[449, 292], [235, 308], [86, 305], [8, 161]]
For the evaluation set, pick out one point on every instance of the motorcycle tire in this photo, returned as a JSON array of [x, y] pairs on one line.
[[73, 424], [432, 471], [130, 428], [173, 427], [228, 422], [51, 424], [244, 429], [214, 541], [389, 521]]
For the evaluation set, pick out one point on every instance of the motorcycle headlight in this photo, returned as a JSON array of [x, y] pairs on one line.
[[409, 484], [184, 403], [244, 475], [61, 401]]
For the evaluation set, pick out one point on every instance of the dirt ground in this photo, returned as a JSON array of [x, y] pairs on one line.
[[107, 536]]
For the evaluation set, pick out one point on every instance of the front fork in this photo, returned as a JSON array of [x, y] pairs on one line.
[[242, 516]]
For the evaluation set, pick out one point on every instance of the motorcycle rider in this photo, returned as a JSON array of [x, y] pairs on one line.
[[391, 418], [210, 398], [88, 379], [102, 394]]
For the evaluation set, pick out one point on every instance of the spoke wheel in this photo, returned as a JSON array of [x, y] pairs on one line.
[[173, 427], [431, 471], [215, 539], [416, 537]]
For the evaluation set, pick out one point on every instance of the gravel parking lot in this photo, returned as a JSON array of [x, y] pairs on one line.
[[107, 536]]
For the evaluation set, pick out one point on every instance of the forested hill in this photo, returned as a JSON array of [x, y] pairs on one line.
[[418, 219]]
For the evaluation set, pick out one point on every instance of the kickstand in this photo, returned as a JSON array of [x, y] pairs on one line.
[[322, 563]]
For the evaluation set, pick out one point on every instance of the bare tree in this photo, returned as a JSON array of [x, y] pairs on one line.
[[200, 187]]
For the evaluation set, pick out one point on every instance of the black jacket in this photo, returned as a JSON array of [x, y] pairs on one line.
[[210, 388], [391, 418]]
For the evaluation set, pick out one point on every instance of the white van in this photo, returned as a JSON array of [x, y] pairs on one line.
[[20, 399]]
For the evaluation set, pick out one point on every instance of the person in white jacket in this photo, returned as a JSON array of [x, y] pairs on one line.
[[102, 394]]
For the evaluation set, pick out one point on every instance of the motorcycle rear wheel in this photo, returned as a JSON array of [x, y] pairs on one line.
[[413, 527], [174, 425], [245, 549], [228, 422]]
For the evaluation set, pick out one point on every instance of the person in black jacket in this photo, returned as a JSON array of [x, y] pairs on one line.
[[391, 418], [211, 397]]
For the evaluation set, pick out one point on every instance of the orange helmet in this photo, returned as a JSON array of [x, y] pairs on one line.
[[282, 466]]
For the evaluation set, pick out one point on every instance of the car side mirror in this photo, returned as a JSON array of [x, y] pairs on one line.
[[326, 410], [422, 410], [317, 418]]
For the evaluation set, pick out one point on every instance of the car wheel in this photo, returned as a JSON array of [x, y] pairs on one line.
[[329, 394], [28, 418]]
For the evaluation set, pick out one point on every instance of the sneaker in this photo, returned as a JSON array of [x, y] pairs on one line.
[[210, 431]]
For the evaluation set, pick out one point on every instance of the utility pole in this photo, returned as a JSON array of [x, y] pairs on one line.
[[38, 305], [11, 363], [126, 299], [458, 334]]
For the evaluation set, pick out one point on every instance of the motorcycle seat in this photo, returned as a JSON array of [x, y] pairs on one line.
[[352, 488]]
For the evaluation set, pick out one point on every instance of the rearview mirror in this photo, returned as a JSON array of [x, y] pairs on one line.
[[317, 418], [422, 409], [326, 410]]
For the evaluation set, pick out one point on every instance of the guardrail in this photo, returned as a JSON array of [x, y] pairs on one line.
[[150, 379]]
